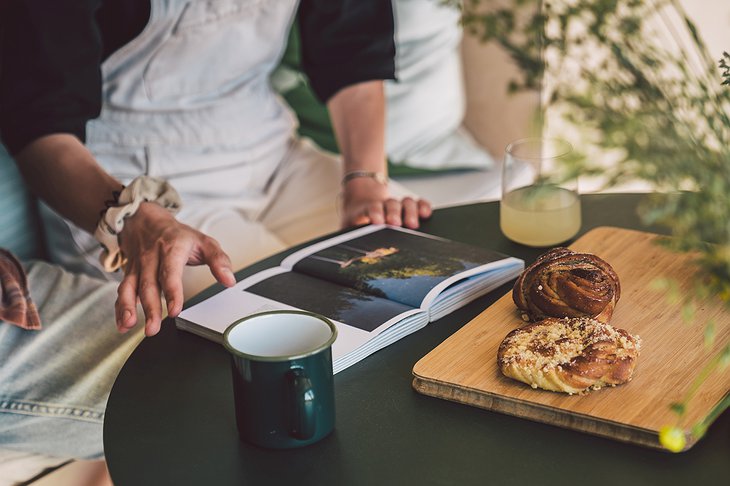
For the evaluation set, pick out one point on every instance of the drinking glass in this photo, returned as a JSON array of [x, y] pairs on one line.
[[540, 206]]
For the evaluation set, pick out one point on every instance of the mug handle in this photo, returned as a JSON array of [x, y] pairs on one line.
[[302, 417]]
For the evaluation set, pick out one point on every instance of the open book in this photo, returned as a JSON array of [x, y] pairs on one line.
[[376, 283]]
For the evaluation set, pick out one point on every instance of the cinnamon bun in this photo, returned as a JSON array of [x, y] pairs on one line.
[[563, 283]]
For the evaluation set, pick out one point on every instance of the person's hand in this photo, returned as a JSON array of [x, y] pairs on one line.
[[157, 248], [366, 200]]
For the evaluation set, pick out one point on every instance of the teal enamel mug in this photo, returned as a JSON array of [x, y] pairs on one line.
[[283, 387]]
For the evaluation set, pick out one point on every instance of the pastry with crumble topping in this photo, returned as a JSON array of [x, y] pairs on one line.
[[570, 355]]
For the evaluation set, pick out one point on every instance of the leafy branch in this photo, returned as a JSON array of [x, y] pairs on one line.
[[633, 79]]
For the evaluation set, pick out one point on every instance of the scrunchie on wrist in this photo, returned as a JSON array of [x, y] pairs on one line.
[[141, 189]]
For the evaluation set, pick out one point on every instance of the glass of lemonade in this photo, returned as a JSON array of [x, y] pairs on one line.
[[540, 206]]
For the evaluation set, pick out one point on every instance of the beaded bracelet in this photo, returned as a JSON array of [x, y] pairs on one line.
[[141, 189]]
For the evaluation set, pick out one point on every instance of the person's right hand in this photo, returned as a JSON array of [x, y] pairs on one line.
[[60, 170], [157, 248]]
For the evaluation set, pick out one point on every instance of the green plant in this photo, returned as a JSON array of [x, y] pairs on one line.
[[634, 80]]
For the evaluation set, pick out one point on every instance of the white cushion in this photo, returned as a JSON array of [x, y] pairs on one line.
[[453, 188], [426, 104]]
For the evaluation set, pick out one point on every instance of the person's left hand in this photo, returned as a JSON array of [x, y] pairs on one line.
[[366, 201]]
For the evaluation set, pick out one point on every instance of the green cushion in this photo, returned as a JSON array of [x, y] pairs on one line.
[[19, 228]]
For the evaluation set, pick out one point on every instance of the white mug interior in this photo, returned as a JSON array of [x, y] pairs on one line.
[[279, 335]]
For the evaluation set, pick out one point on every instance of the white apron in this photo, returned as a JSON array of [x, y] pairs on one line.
[[189, 100]]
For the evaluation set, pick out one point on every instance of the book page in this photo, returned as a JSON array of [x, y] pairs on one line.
[[363, 311], [394, 263], [363, 321]]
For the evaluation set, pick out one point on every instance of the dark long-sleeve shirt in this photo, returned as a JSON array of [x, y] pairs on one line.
[[52, 51]]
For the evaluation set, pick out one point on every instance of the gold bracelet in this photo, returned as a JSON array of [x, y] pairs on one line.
[[378, 176]]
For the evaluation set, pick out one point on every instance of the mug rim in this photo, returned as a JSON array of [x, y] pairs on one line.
[[281, 358]]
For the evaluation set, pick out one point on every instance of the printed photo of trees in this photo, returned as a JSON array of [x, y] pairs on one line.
[[396, 265]]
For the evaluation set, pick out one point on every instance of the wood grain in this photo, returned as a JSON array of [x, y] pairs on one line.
[[464, 367]]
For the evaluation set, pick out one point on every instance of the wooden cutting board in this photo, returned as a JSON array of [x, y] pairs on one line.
[[464, 367]]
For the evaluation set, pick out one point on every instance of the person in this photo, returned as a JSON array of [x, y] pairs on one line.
[[59, 355], [117, 106]]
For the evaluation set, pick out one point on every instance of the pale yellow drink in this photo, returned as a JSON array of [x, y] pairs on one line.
[[540, 215]]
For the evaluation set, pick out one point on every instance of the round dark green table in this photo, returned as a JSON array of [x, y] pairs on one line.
[[170, 416]]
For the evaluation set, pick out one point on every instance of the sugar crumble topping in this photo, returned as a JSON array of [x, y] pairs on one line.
[[557, 343]]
